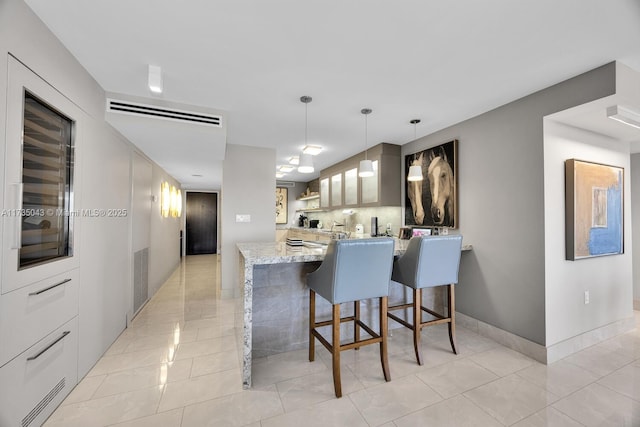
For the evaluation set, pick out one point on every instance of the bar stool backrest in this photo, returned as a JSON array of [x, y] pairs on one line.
[[429, 261], [354, 270]]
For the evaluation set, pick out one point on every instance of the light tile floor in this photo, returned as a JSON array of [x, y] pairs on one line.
[[177, 365]]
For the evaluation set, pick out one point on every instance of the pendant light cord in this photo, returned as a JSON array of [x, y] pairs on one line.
[[366, 136]]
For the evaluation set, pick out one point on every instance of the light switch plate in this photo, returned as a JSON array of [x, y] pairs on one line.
[[243, 218]]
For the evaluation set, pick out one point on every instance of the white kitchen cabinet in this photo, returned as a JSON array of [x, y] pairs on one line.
[[39, 231], [35, 382], [39, 283], [36, 310]]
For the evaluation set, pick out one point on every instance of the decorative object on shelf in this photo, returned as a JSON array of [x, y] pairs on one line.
[[594, 209], [434, 201], [415, 170], [366, 165], [281, 205], [305, 164], [301, 220]]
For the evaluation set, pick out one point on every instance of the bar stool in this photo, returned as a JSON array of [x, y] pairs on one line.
[[352, 270], [429, 261]]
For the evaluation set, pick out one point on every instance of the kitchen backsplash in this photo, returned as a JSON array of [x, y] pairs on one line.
[[386, 215]]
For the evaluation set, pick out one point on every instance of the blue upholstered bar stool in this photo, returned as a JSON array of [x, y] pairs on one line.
[[429, 261], [352, 270]]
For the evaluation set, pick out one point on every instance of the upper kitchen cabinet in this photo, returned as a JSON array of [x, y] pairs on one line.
[[324, 192], [341, 187], [383, 188]]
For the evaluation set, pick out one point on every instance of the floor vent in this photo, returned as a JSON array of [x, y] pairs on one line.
[[43, 403], [154, 111]]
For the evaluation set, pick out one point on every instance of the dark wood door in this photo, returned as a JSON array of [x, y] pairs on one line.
[[202, 223]]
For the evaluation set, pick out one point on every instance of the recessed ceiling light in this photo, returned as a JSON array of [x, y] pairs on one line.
[[286, 168], [294, 160], [279, 175], [312, 149], [155, 79], [624, 115]]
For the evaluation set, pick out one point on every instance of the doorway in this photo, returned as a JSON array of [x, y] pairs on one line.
[[201, 223]]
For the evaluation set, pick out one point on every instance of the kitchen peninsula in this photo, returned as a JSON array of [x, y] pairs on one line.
[[276, 299]]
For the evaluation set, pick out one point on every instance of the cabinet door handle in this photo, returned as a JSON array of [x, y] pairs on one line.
[[49, 288], [17, 228], [41, 352]]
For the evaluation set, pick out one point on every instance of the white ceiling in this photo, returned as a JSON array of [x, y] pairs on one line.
[[441, 62]]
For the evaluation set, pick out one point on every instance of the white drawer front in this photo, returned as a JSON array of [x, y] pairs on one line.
[[29, 313], [33, 384]]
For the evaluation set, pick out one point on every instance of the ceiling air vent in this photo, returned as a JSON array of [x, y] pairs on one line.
[[285, 183], [163, 113]]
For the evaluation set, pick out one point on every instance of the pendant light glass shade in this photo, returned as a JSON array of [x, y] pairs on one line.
[[366, 169], [306, 163], [415, 173]]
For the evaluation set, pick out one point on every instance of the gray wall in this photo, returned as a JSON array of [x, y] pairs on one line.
[[248, 187], [501, 213]]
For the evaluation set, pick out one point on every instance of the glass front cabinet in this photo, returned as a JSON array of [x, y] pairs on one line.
[[38, 216]]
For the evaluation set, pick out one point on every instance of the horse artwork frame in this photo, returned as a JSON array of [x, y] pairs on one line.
[[433, 202]]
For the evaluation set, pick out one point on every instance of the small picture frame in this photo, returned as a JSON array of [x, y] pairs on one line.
[[281, 205], [417, 231]]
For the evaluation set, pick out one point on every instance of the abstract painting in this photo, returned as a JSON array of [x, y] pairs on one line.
[[594, 209]]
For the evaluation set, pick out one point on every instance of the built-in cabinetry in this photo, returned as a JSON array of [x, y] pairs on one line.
[[39, 288], [340, 186]]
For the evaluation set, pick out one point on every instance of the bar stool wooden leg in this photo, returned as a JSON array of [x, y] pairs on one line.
[[452, 316], [356, 326], [417, 322], [383, 334], [335, 350], [312, 324]]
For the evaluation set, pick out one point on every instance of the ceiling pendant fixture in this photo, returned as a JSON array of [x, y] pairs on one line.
[[305, 164], [366, 166], [415, 172], [155, 79]]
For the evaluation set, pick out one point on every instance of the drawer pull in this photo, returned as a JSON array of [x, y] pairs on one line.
[[64, 334], [50, 287]]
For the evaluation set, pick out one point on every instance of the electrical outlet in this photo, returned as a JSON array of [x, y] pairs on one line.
[[586, 297]]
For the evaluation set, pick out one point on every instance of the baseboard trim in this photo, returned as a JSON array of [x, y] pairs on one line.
[[548, 354]]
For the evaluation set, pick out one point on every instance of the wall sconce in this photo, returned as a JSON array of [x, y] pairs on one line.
[[170, 201], [165, 199]]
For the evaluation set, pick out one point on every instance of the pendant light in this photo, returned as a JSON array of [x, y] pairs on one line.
[[415, 172], [305, 164], [366, 166]]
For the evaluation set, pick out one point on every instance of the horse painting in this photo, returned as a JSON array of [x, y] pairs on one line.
[[437, 190]]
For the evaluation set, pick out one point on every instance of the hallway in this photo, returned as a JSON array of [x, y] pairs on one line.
[[177, 365]]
